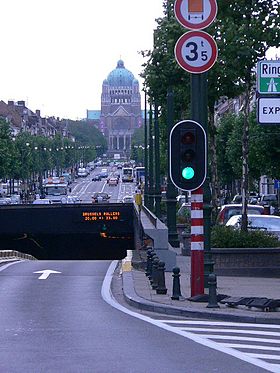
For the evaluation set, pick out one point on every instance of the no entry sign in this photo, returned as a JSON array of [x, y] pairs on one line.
[[196, 51]]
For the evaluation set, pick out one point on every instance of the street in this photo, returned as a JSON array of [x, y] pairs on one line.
[[62, 324]]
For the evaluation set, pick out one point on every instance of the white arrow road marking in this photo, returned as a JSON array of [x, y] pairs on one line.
[[45, 273]]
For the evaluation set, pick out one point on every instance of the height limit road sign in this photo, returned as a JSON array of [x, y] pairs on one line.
[[268, 76], [196, 51], [195, 14]]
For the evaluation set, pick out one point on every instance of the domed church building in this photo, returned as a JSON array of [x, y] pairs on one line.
[[120, 109]]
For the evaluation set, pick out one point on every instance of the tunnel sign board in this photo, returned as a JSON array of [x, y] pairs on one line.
[[196, 51], [268, 77], [195, 14], [269, 110]]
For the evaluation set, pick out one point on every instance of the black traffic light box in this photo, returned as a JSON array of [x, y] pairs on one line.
[[187, 155]]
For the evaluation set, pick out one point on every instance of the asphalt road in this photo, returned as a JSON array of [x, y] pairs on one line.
[[85, 187], [60, 323], [60, 317]]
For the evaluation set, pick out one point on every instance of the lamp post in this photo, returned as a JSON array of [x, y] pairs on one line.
[[151, 161], [171, 191], [146, 201], [157, 165]]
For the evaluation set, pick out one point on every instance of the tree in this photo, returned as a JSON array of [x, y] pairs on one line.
[[6, 145]]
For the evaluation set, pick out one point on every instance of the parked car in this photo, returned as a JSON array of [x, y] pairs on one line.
[[100, 196], [96, 177], [268, 199], [237, 199], [227, 211], [266, 223], [184, 213]]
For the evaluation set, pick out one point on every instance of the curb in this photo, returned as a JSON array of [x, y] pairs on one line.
[[140, 303]]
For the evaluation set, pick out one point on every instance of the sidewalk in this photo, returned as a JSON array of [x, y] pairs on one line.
[[139, 293]]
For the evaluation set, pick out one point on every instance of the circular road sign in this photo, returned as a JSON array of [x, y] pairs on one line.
[[195, 14], [196, 51]]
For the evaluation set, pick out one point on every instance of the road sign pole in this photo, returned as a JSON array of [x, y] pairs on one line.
[[199, 113], [197, 243]]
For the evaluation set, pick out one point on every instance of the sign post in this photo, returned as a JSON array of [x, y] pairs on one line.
[[196, 52]]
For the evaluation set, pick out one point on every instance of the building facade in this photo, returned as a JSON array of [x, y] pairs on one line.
[[120, 111]]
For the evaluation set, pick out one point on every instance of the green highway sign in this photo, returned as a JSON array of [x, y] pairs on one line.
[[268, 77]]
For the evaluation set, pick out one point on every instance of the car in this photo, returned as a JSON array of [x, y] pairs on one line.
[[268, 223], [237, 199], [128, 199], [5, 201], [227, 211], [73, 199], [181, 199], [96, 177], [184, 213], [268, 199], [100, 197], [42, 201], [113, 181]]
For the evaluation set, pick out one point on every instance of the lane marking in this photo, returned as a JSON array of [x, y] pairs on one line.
[[45, 273], [237, 331], [109, 298], [2, 268], [221, 323]]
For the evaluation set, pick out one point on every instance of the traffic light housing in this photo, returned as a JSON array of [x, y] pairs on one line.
[[187, 155]]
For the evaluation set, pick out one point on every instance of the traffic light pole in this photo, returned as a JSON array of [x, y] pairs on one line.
[[199, 113]]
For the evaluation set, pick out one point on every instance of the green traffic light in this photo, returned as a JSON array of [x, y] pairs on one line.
[[188, 173]]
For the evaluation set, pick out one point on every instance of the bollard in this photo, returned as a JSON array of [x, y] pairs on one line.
[[176, 293], [155, 273], [148, 266], [152, 256], [212, 283], [161, 289]]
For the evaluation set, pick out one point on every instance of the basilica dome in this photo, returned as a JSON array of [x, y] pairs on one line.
[[120, 76]]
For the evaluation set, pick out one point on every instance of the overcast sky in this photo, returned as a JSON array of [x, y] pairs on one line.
[[55, 54]]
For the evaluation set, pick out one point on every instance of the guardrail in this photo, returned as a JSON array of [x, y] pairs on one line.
[[9, 254], [150, 215]]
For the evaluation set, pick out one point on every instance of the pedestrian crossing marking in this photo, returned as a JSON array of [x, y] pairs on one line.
[[224, 336], [237, 331]]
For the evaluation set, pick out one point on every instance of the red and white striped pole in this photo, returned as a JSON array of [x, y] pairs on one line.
[[197, 243]]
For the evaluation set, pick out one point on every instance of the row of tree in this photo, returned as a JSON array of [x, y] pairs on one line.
[[26, 157]]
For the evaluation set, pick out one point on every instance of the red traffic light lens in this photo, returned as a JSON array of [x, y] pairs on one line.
[[188, 138]]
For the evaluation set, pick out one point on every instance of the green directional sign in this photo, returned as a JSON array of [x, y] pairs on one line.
[[268, 77]]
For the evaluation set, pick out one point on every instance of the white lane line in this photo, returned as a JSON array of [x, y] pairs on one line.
[[264, 356], [237, 331], [109, 298], [231, 337], [254, 347], [3, 267], [221, 323]]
